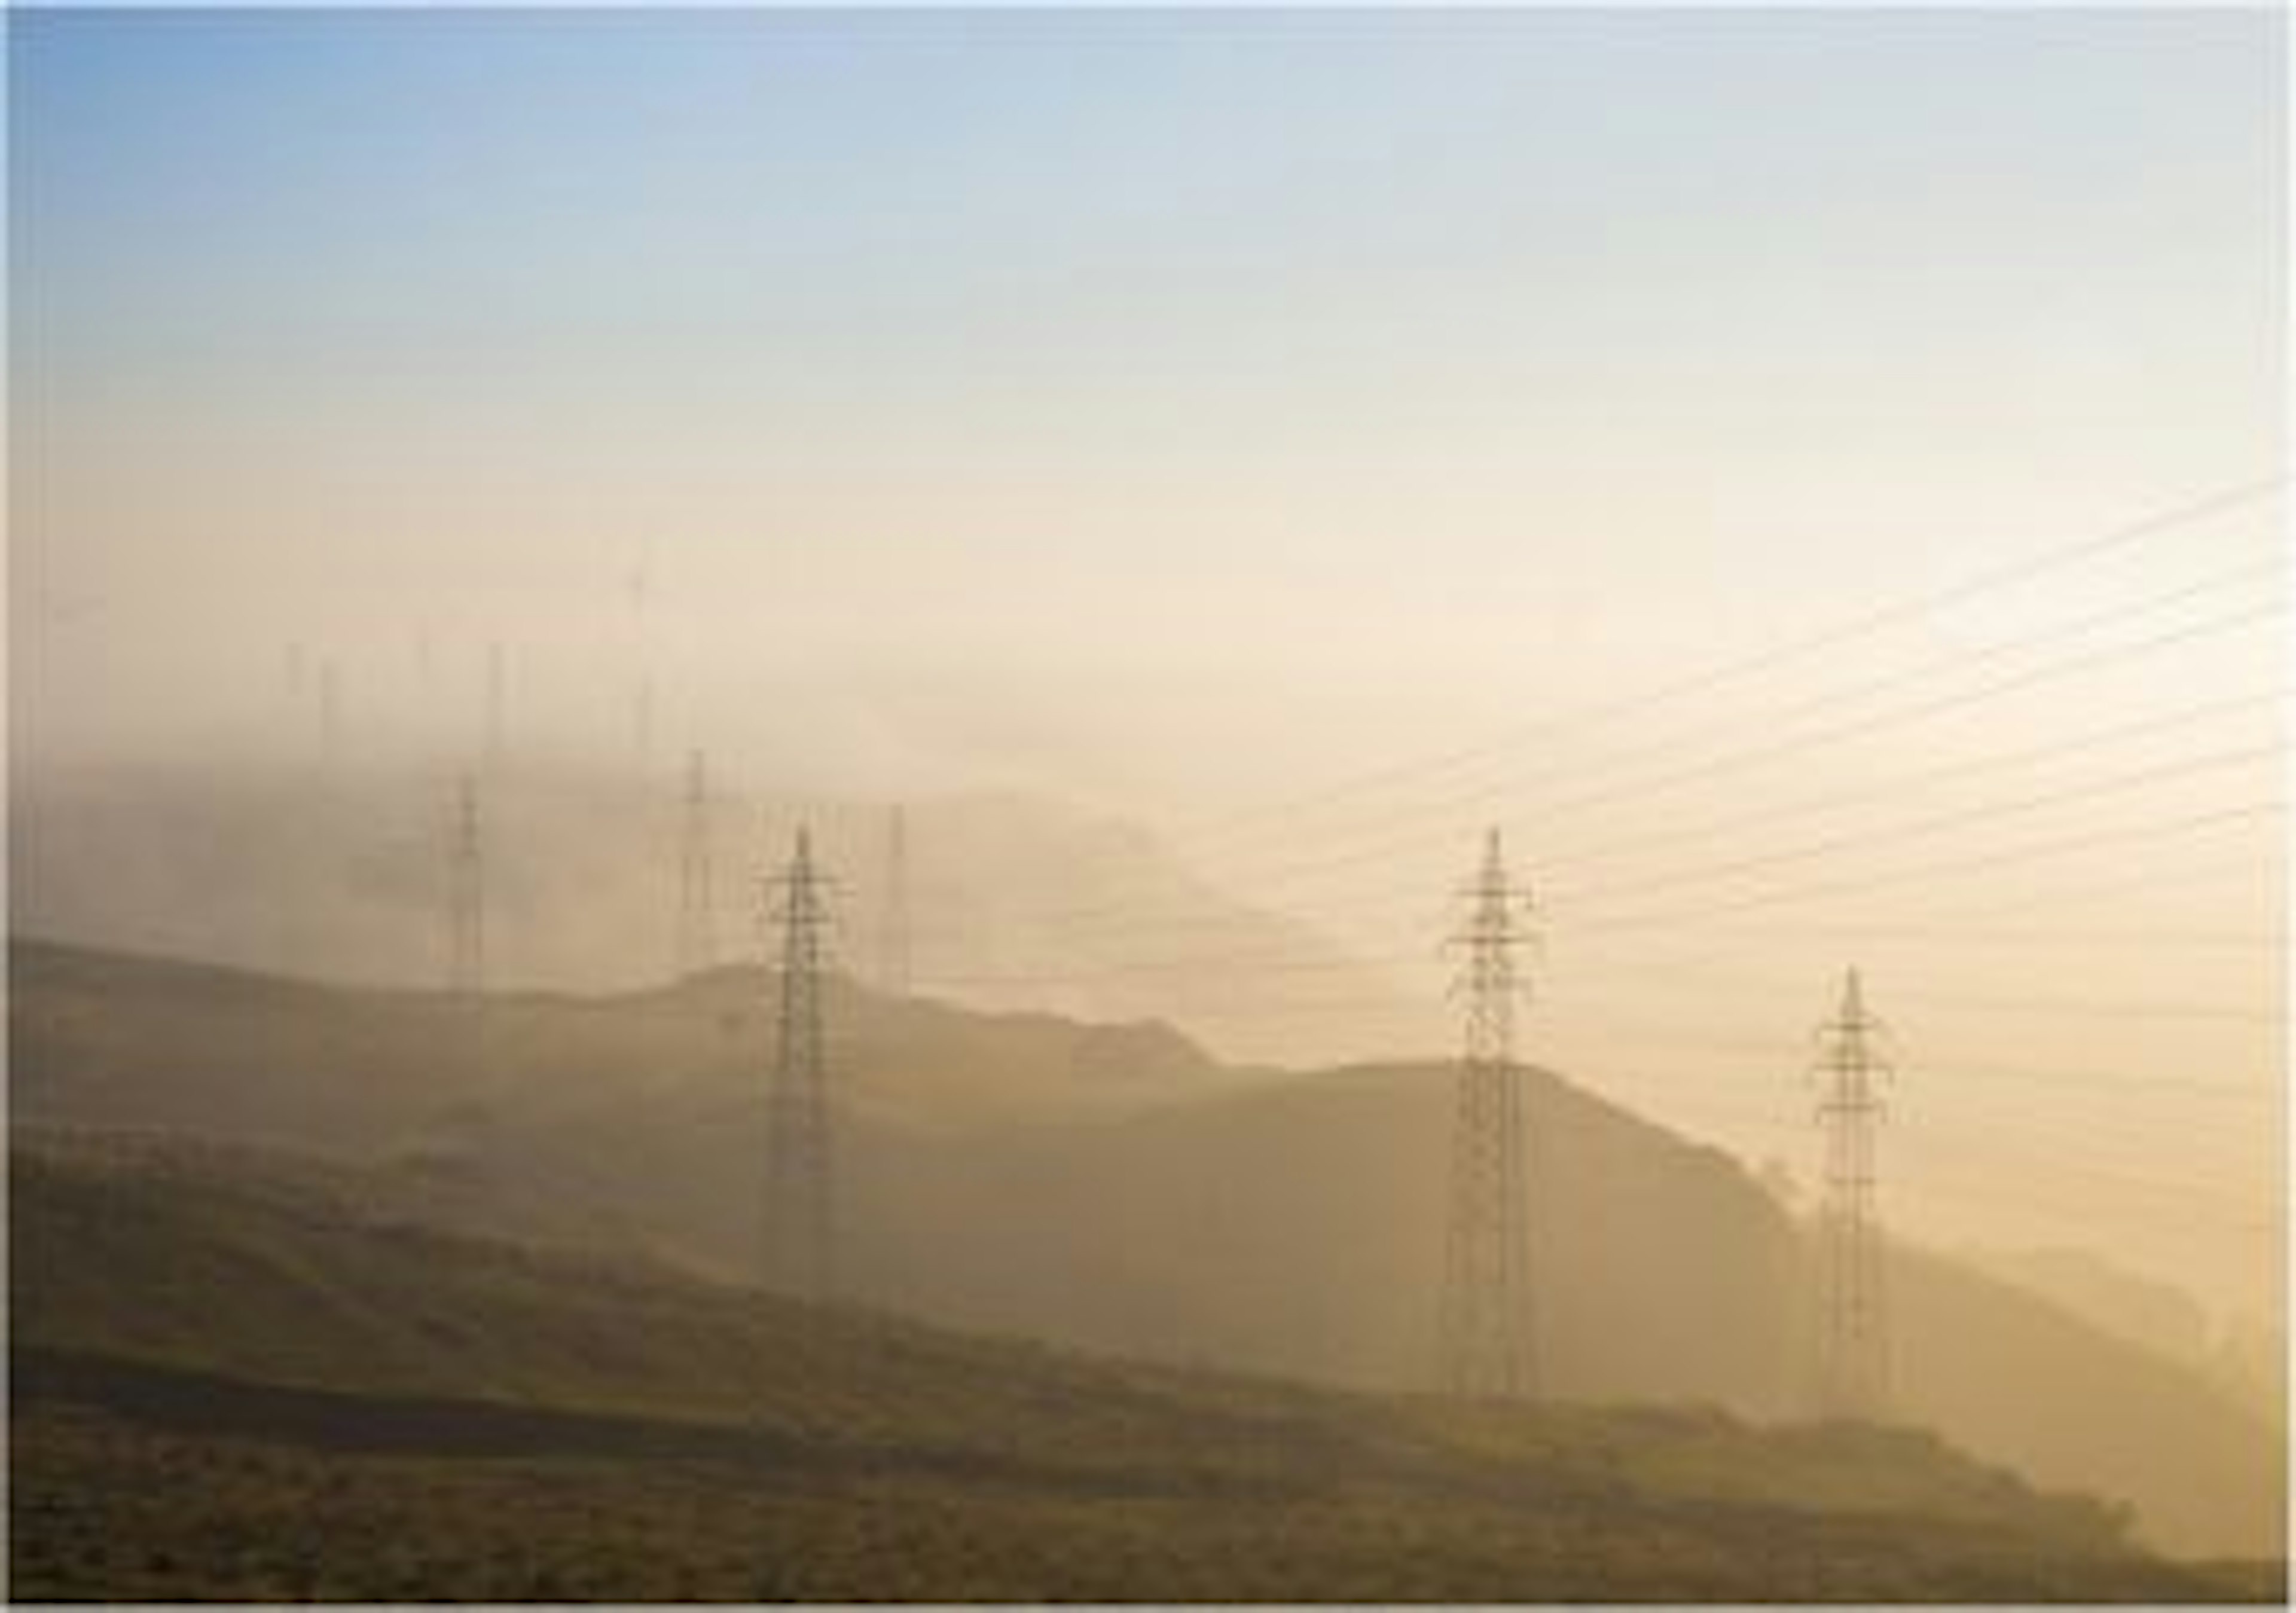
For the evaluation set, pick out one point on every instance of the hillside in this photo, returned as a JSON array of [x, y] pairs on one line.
[[235, 1376], [1113, 1190], [326, 1068], [342, 874], [2246, 1355]]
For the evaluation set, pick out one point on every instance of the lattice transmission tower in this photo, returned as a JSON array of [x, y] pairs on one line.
[[466, 894], [799, 1237], [1488, 1344], [1853, 1312], [697, 917]]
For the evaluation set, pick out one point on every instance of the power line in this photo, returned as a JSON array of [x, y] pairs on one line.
[[2021, 854], [1634, 788], [2080, 745], [2181, 879], [1482, 795], [1735, 1107], [1290, 962], [1839, 732], [2029, 1195], [1989, 812], [1584, 1023], [1680, 977], [1945, 1064], [1955, 702], [1948, 1064], [2191, 1198], [1973, 1095], [2179, 721], [2217, 502]]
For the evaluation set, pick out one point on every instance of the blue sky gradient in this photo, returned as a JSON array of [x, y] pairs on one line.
[[1100, 315]]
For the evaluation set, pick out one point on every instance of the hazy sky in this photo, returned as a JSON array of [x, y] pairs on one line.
[[938, 356], [1179, 410]]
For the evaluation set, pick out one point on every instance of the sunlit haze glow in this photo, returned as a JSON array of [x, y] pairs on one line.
[[1274, 430]]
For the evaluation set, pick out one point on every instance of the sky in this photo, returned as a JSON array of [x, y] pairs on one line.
[[1133, 350], [1183, 411]]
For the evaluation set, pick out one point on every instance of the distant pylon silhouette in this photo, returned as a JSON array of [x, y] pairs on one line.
[[1489, 1344], [641, 591], [466, 894], [799, 1241], [697, 930], [497, 697], [893, 943], [330, 713], [1853, 1313]]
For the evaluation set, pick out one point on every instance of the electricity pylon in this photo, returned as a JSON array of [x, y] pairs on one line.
[[466, 896], [893, 943], [1488, 1344], [798, 1236], [1853, 1316], [697, 935]]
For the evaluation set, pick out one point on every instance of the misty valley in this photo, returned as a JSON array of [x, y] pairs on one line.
[[1073, 804], [391, 1291]]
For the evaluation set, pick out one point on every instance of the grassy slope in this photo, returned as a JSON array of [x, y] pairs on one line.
[[465, 1418]]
